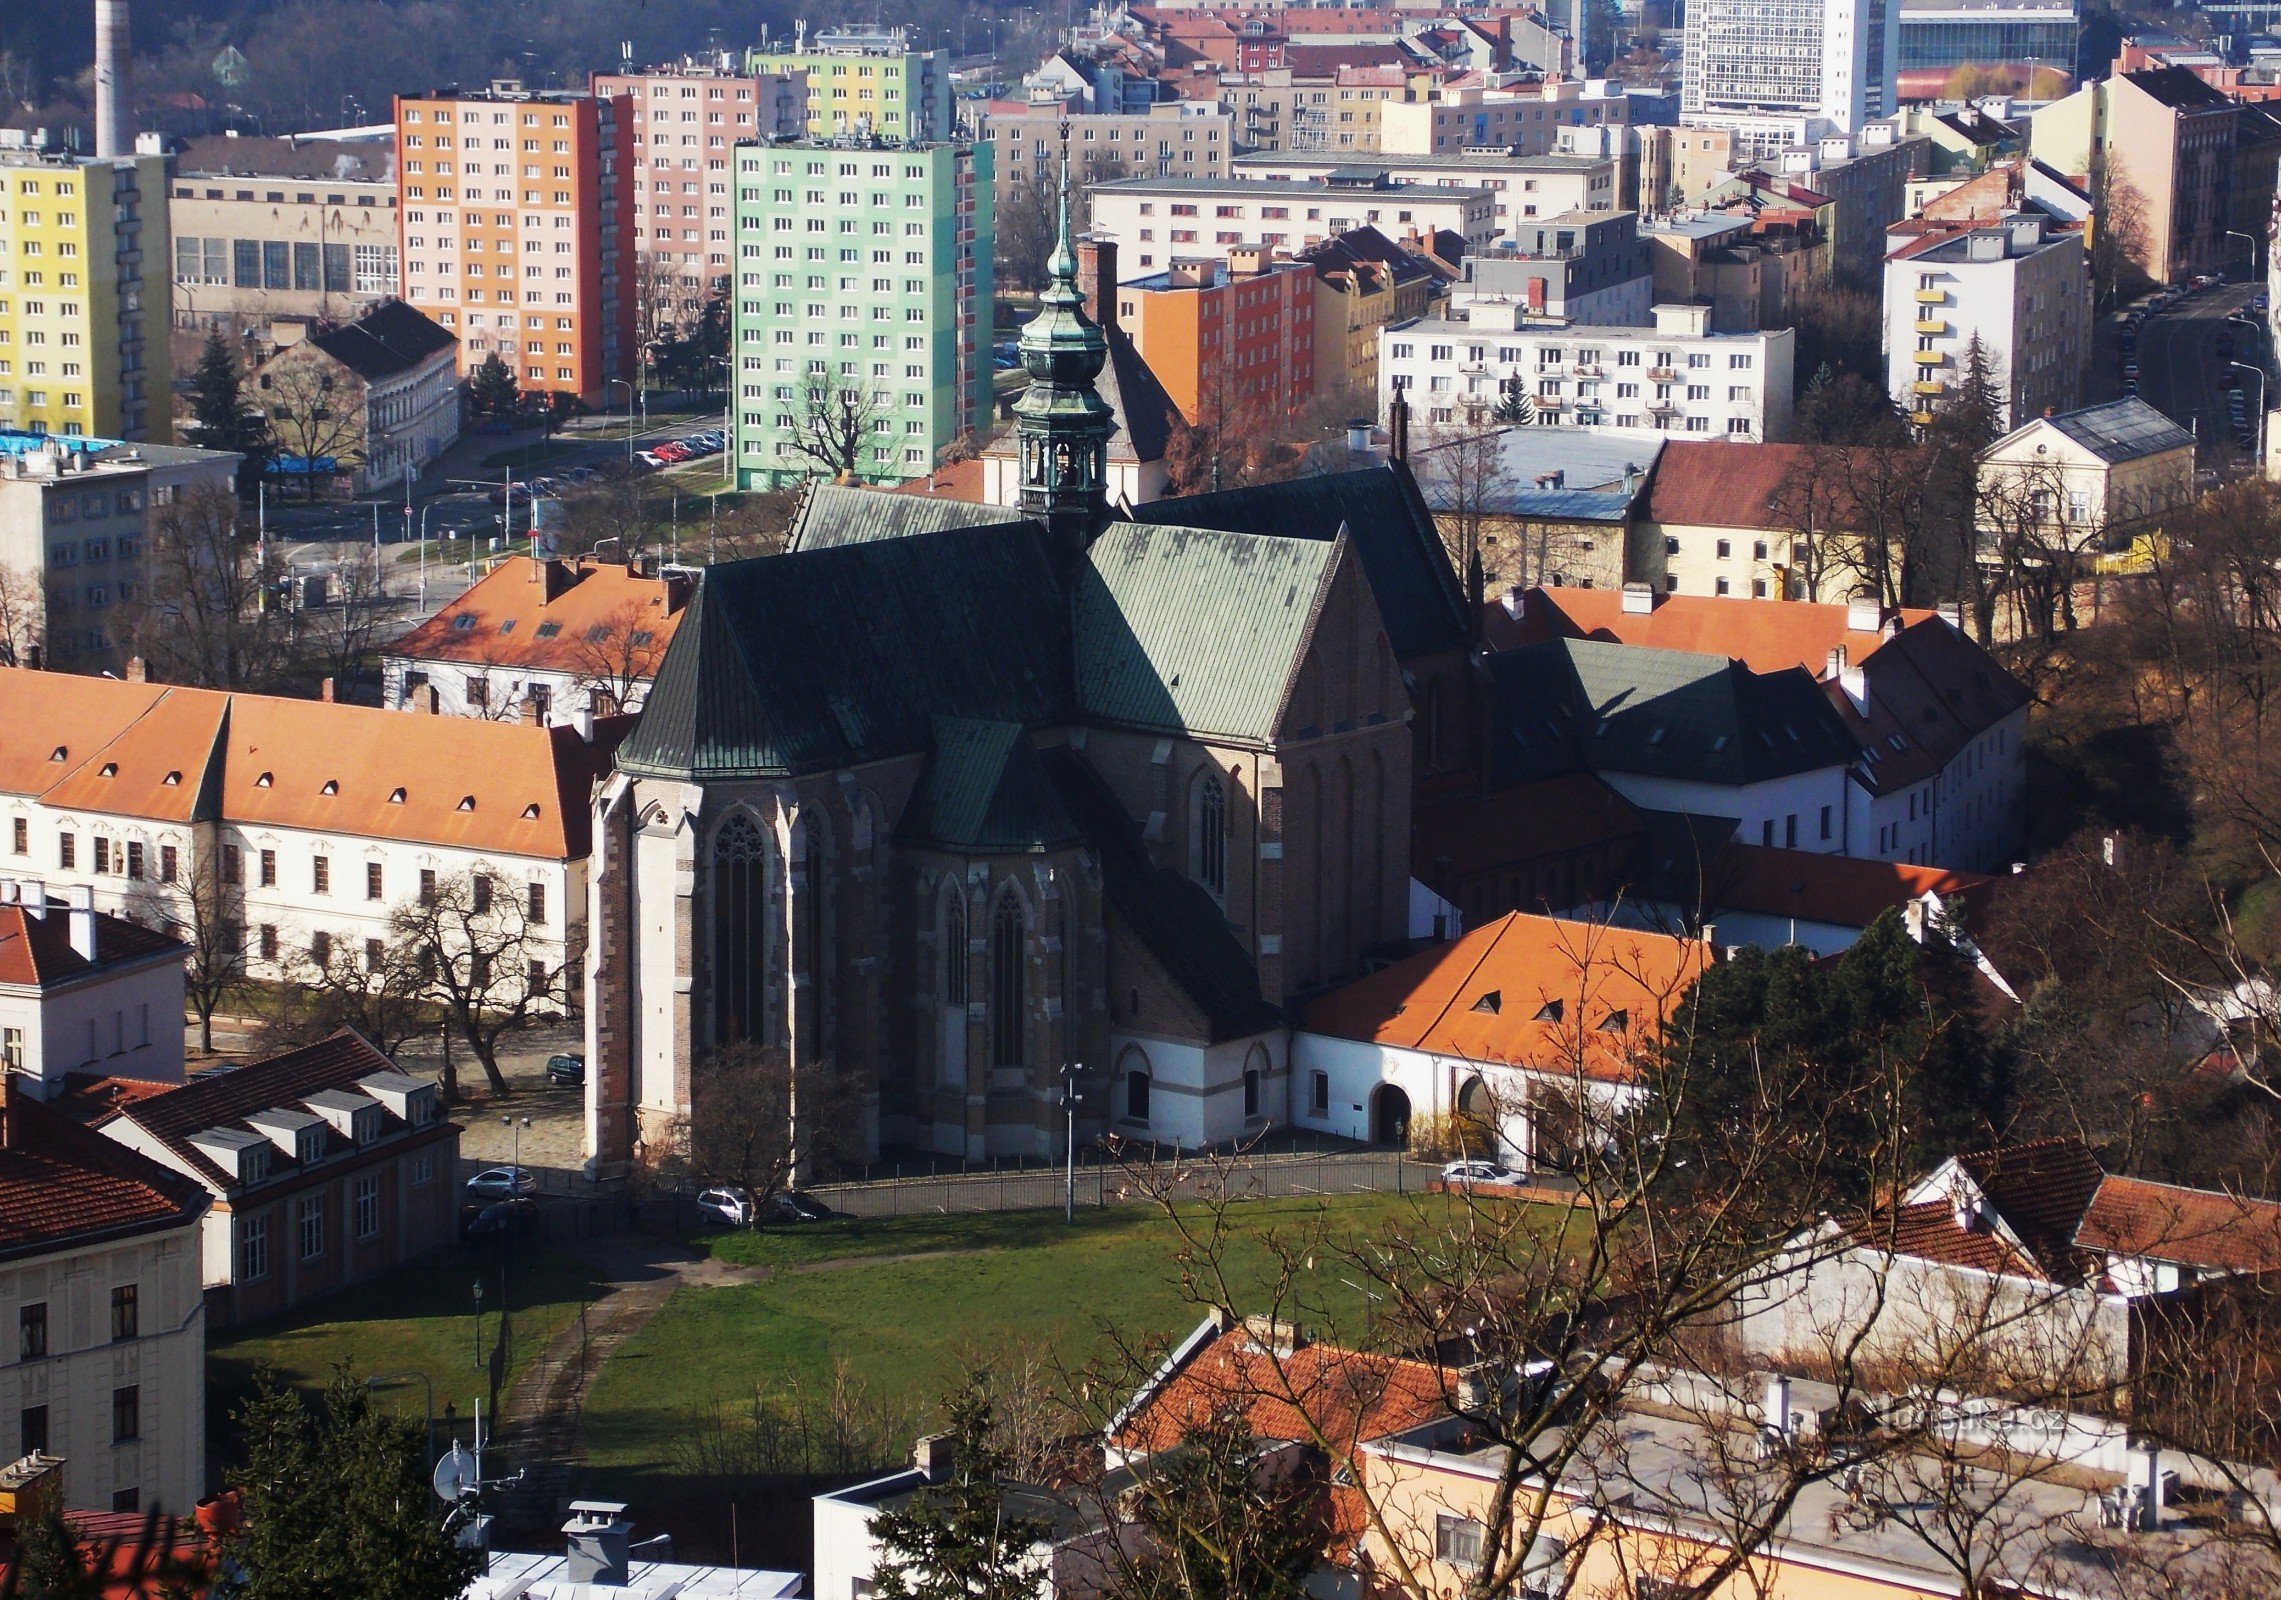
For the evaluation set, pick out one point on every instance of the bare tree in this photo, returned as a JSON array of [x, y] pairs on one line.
[[1462, 472], [312, 418], [616, 658], [23, 616], [368, 987], [759, 1122], [475, 955], [205, 911], [200, 616], [336, 639], [2121, 242], [835, 423]]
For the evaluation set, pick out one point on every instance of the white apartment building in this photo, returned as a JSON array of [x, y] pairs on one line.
[[84, 992], [1833, 59], [2019, 285], [1154, 219], [1522, 188], [1524, 120], [74, 515], [1676, 377], [680, 122], [303, 824]]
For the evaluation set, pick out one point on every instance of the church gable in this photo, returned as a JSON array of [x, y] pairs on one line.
[[1194, 631], [1346, 676]]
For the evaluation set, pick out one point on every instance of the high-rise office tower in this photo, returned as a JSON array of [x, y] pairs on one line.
[[1828, 59]]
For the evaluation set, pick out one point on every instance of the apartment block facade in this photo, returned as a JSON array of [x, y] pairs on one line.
[[1156, 220], [1676, 377], [2017, 285], [863, 269], [1826, 60], [517, 210], [865, 78], [1176, 139], [1233, 342], [267, 228], [83, 252], [1521, 188], [680, 124]]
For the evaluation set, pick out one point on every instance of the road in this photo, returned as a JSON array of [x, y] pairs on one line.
[[2182, 359]]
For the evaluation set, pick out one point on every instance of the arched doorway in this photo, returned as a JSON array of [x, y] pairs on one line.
[[1389, 1116]]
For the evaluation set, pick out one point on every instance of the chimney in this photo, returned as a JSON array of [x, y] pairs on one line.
[[1863, 613], [599, 1544], [81, 899], [1398, 427], [325, 691], [1777, 1404], [583, 721], [138, 671], [556, 577], [32, 895], [1097, 278], [435, 700], [1639, 600], [935, 1456], [1515, 602], [1952, 613], [1358, 437], [1835, 666], [2150, 1491], [113, 135]]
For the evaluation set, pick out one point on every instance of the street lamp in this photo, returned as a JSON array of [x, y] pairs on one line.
[[2251, 241], [629, 388], [1070, 1071], [479, 1324], [2243, 366]]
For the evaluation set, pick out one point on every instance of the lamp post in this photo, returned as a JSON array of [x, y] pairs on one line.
[[2243, 366], [629, 388], [479, 1324], [1070, 1096], [2250, 240]]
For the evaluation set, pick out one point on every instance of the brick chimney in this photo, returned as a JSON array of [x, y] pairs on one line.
[[325, 691], [1097, 278], [137, 670]]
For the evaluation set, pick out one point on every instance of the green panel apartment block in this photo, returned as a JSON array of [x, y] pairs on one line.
[[862, 268], [864, 79]]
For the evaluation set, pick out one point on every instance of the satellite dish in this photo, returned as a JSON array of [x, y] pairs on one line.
[[454, 1478]]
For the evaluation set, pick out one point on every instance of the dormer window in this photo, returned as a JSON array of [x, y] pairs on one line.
[[59, 753], [463, 623], [1550, 1011], [420, 1107], [264, 781], [467, 802], [253, 1164], [110, 769], [367, 1125], [172, 780], [531, 812], [1492, 1002], [396, 796], [508, 626], [332, 786], [1615, 1022], [309, 1146], [548, 630]]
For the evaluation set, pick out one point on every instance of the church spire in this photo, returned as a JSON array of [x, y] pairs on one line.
[[1061, 420]]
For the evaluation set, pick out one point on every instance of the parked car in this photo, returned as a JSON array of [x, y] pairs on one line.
[[504, 1219], [673, 450], [727, 1207], [2257, 302], [503, 1183], [649, 458], [790, 1205], [566, 1071], [1472, 1172]]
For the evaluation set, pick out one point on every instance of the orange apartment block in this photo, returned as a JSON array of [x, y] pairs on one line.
[[680, 122], [516, 216], [1228, 339]]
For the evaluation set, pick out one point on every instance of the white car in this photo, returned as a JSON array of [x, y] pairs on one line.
[[503, 1183], [726, 1206], [1471, 1172]]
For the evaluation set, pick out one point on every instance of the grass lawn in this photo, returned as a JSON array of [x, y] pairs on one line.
[[993, 1284], [418, 1319]]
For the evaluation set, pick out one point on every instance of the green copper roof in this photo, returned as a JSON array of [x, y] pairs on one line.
[[984, 791]]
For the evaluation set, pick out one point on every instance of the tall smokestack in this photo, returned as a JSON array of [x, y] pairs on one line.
[[113, 135]]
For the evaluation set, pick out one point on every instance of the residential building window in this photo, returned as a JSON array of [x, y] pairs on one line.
[[367, 1207], [1136, 1095], [269, 869], [372, 876], [126, 1414], [427, 886], [423, 1170], [321, 874], [22, 841], [1007, 1000], [125, 1501], [1458, 1540], [126, 1312], [253, 1249], [534, 905], [321, 949], [134, 861], [1250, 1092], [482, 891], [169, 864], [102, 855], [310, 1213], [375, 954], [32, 1331], [67, 852], [1825, 822], [233, 864], [268, 944], [1322, 1093], [1790, 831], [32, 1430]]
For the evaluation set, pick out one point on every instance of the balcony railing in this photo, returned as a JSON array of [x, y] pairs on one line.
[[1935, 325], [1932, 297], [1930, 358]]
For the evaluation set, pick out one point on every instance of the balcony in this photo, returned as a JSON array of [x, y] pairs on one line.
[[1932, 297], [1921, 418], [1930, 358], [1664, 408], [1663, 375], [1929, 386], [1934, 326], [1547, 402]]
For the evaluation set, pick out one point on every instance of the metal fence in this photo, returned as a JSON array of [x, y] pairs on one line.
[[1100, 1183]]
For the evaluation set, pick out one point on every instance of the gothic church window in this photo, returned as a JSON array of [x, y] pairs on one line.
[[740, 931], [954, 952], [1007, 1041], [1212, 836]]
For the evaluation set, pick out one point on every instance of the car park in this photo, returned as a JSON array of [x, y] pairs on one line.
[[566, 1071], [503, 1183], [1472, 1172]]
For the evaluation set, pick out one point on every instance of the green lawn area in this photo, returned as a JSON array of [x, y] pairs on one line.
[[418, 1319], [1020, 1281]]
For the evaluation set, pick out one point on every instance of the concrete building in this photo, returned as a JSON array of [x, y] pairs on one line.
[[864, 270], [1522, 188], [75, 515], [1832, 60], [1174, 139], [555, 641], [1233, 341], [680, 122], [1938, 36], [2018, 284], [100, 1276], [84, 992], [517, 209], [1442, 119], [1750, 269], [1864, 180], [1155, 220], [1363, 280], [83, 347], [380, 396], [282, 228], [1674, 377], [865, 79], [2101, 476], [326, 1166], [1586, 267]]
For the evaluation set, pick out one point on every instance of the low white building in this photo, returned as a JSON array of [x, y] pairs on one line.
[[1523, 1033], [847, 1552], [99, 1276], [1154, 219], [2018, 283], [2092, 479], [599, 1561], [1521, 188], [1676, 377], [83, 992]]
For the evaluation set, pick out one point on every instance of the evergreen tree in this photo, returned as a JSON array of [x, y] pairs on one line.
[[219, 419], [955, 1540], [1223, 1522], [1512, 405], [491, 392], [337, 1502], [1971, 413]]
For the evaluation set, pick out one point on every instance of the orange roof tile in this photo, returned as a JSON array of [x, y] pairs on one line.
[[1838, 890], [1765, 635], [1722, 483], [38, 950], [2192, 1227], [543, 617], [1523, 990], [68, 714], [155, 766], [1317, 1393], [961, 480], [62, 1184]]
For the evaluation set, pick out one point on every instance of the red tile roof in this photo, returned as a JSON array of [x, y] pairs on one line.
[[555, 616], [2190, 1227], [1525, 991], [38, 950], [1764, 635], [960, 480], [62, 1184], [1314, 1394], [1837, 890]]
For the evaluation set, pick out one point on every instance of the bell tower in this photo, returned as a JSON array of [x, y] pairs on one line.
[[1061, 421]]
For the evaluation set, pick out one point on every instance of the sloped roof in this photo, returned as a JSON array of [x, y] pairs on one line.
[[846, 652], [1144, 410], [554, 616], [2179, 89], [984, 790], [1549, 817], [1176, 921], [49, 712], [2120, 430], [61, 1184], [1393, 533], [833, 514], [1719, 484], [392, 337], [2192, 1227], [1662, 713], [37, 950], [1184, 628], [1764, 635], [1839, 890], [1524, 991]]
